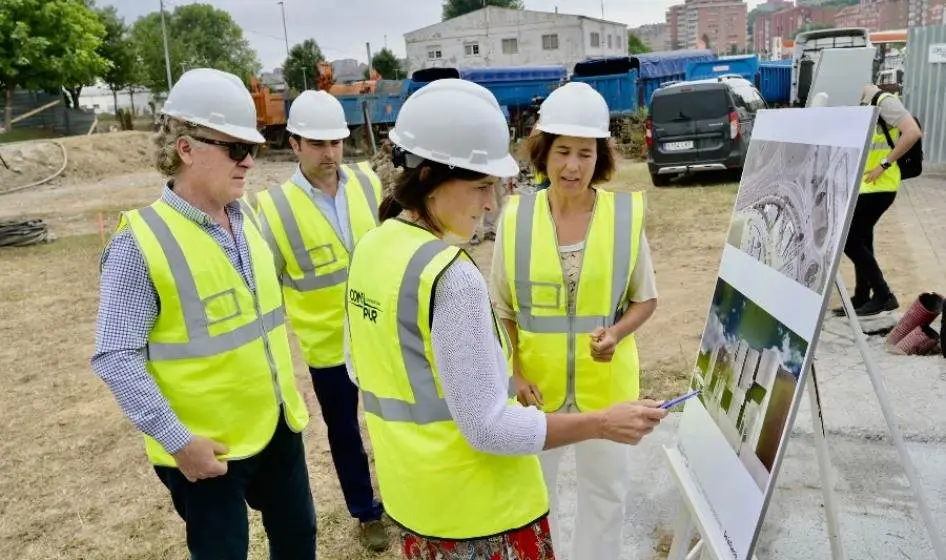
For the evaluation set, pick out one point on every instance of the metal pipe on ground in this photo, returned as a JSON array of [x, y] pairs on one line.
[[65, 162]]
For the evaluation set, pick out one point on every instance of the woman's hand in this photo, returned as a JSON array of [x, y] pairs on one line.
[[527, 393], [603, 343], [630, 422]]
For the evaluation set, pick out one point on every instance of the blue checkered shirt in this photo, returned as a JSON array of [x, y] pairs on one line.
[[128, 308]]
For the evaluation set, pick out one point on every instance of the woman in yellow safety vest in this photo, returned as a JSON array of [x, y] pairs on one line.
[[573, 281], [454, 452]]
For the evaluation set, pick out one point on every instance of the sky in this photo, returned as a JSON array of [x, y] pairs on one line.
[[342, 27]]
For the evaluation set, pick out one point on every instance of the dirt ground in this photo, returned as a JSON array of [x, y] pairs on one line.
[[74, 482]]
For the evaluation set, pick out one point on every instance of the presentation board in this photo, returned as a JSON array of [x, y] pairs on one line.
[[789, 223]]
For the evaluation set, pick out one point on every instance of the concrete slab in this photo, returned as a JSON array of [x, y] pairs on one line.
[[879, 515]]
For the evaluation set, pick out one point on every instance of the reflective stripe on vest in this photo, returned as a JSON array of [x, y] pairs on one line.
[[555, 335], [248, 212], [225, 368], [200, 342], [889, 180], [366, 187], [620, 272], [310, 280], [420, 453], [428, 406]]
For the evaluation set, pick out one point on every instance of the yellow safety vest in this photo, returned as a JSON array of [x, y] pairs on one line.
[[218, 352], [432, 481], [553, 344], [889, 180], [317, 259]]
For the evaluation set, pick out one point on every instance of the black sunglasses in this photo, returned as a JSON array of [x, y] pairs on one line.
[[236, 150]]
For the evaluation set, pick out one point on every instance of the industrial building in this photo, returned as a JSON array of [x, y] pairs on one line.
[[496, 36]]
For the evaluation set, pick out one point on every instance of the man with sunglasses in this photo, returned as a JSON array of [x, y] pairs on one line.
[[192, 338], [312, 222]]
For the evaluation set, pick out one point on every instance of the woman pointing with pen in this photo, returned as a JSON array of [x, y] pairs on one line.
[[454, 452]]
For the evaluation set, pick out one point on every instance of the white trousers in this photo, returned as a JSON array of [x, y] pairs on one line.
[[602, 469]]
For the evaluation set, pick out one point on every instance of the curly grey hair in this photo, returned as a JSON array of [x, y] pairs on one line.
[[167, 160]]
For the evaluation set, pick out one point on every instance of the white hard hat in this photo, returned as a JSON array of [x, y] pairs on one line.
[[317, 115], [214, 99], [575, 109], [457, 123]]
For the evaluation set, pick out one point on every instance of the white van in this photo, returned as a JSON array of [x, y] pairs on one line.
[[808, 47]]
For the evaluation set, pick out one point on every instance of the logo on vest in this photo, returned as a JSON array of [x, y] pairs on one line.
[[369, 307]]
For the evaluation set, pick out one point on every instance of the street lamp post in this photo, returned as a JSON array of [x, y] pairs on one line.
[[285, 32], [282, 6], [167, 56]]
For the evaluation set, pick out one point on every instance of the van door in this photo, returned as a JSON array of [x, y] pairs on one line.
[[691, 124]]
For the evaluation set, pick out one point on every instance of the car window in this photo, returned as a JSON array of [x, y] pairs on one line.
[[748, 98], [690, 105], [757, 103]]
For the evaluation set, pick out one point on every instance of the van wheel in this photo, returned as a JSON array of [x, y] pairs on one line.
[[659, 180]]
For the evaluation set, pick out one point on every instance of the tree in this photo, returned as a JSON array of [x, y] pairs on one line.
[[454, 8], [76, 78], [387, 65], [119, 49], [301, 67], [47, 43], [199, 36], [635, 45]]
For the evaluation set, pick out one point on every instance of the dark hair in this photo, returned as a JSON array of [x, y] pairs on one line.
[[414, 185], [536, 148]]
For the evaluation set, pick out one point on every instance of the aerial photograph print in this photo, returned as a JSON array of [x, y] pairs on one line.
[[792, 207]]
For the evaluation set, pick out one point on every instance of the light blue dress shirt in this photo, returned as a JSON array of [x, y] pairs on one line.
[[335, 209]]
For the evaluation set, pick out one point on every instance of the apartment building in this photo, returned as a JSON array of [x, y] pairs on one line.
[[654, 35], [921, 13], [675, 35], [718, 25], [784, 24], [876, 15]]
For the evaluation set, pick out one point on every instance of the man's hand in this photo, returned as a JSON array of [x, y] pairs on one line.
[[603, 343], [198, 459], [527, 393], [874, 174], [629, 422]]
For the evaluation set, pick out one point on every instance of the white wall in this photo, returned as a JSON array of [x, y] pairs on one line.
[[489, 28], [616, 32]]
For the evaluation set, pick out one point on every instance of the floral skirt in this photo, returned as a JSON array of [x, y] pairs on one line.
[[533, 542]]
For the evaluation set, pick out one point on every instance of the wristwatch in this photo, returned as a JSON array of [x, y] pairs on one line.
[[885, 164]]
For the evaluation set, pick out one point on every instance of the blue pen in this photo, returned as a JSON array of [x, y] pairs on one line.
[[674, 402]]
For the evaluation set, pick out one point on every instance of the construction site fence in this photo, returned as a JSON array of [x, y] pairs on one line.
[[58, 117], [924, 82]]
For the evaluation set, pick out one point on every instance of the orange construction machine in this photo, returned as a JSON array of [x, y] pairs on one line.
[[272, 108]]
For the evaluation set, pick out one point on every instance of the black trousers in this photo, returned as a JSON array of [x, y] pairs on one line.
[[869, 279], [338, 399], [274, 482]]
